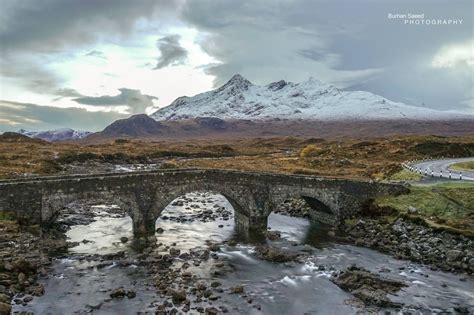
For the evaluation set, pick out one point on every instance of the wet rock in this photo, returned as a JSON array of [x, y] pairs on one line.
[[118, 293], [131, 294], [214, 247], [24, 266], [215, 284], [454, 254], [274, 254], [272, 235], [407, 240], [368, 287], [212, 310], [37, 290], [461, 309], [237, 289], [174, 251], [177, 296], [95, 306], [5, 308], [184, 256], [124, 239], [159, 230], [27, 298], [21, 277]]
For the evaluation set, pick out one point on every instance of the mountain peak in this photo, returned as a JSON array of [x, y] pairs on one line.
[[238, 78], [237, 81]]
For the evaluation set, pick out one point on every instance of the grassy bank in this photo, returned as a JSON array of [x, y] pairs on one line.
[[405, 175], [463, 166], [445, 205]]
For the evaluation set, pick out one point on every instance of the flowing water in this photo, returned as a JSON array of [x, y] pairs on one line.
[[82, 281]]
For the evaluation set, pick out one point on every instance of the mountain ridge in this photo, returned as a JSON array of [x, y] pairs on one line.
[[309, 100], [60, 134]]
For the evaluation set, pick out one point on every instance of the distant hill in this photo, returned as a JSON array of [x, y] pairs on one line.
[[213, 128], [56, 134], [14, 137]]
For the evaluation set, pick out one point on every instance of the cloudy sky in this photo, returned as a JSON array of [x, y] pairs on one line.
[[84, 64]]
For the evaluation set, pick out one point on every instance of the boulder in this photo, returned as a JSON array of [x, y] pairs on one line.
[[5, 309], [274, 254], [118, 293], [237, 289], [177, 296], [272, 235], [368, 287]]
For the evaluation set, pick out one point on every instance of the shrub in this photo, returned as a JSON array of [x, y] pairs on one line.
[[310, 150], [121, 141]]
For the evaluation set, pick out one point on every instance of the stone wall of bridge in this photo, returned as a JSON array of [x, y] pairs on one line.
[[145, 194]]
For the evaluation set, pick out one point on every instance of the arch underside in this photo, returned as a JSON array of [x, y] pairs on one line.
[[239, 198], [317, 205], [52, 204], [324, 206]]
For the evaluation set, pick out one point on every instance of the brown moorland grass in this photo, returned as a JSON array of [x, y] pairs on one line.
[[375, 158]]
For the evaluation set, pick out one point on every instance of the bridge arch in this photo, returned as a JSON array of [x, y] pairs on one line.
[[52, 204], [240, 198], [324, 205]]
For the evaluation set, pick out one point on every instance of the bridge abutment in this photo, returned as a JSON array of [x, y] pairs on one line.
[[143, 228]]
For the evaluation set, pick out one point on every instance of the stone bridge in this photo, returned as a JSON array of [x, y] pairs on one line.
[[144, 195]]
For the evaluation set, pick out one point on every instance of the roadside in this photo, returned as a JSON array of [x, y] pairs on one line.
[[453, 169]]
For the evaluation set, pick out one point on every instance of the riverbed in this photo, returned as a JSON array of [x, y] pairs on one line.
[[107, 258]]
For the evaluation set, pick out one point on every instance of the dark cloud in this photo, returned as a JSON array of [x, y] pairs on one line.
[[52, 25], [14, 115], [171, 52], [134, 99]]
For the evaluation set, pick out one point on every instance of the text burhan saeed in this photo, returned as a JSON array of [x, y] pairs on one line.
[[419, 19]]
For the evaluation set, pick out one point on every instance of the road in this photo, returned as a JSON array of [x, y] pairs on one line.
[[441, 167]]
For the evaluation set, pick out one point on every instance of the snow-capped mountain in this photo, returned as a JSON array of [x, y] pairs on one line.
[[312, 100], [56, 134]]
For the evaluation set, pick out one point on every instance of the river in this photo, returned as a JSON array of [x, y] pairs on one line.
[[82, 280]]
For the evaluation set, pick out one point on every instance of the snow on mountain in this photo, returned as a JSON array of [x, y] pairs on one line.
[[312, 100], [56, 134]]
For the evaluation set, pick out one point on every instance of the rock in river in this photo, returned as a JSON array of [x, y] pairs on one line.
[[368, 287], [274, 254]]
